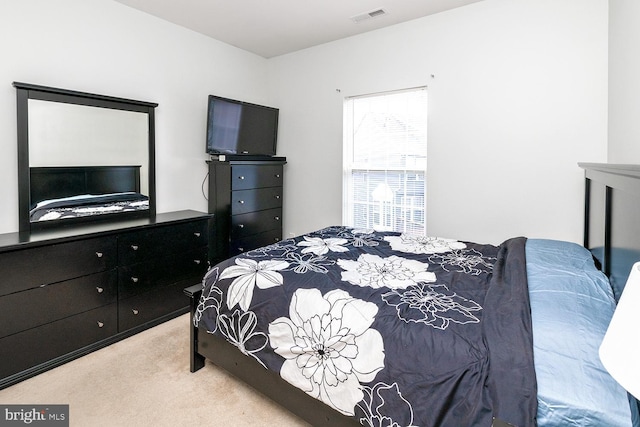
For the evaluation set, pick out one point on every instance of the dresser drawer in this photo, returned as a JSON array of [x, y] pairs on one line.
[[255, 222], [38, 345], [28, 309], [138, 278], [255, 241], [252, 176], [151, 305], [29, 268], [155, 242], [255, 200]]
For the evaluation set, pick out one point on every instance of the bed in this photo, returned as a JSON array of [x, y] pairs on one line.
[[356, 327], [60, 193]]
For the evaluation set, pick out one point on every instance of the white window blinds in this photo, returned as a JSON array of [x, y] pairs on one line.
[[385, 161]]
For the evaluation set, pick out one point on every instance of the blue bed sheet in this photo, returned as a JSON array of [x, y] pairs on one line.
[[572, 304]]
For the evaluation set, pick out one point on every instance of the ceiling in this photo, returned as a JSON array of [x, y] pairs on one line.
[[275, 27]]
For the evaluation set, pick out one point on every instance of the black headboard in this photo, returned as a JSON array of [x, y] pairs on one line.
[[612, 218], [56, 182]]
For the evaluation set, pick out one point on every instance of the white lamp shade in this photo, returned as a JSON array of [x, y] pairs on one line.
[[620, 348]]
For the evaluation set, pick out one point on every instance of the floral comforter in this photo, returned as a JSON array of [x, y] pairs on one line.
[[394, 330]]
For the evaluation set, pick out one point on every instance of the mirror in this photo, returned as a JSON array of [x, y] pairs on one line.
[[83, 157], [78, 135]]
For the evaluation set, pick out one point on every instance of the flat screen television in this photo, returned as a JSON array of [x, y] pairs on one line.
[[237, 127]]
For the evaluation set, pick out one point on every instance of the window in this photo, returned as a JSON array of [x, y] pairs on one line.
[[385, 161]]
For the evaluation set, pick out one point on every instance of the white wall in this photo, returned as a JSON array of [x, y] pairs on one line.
[[518, 96], [104, 47], [624, 83]]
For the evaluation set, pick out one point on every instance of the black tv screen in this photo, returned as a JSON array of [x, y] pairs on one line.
[[237, 127]]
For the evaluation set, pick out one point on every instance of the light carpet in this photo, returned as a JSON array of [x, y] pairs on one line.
[[144, 380]]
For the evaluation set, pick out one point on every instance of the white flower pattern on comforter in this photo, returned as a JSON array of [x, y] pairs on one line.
[[329, 346]]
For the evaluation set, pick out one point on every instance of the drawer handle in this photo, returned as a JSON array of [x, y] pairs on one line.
[[276, 239], [99, 289], [241, 249], [241, 177], [135, 247], [135, 312], [277, 196], [99, 254], [100, 324], [196, 234], [134, 279], [197, 261], [277, 218], [240, 225], [277, 175], [241, 202]]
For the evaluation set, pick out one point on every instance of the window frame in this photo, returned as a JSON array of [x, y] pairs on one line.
[[350, 166]]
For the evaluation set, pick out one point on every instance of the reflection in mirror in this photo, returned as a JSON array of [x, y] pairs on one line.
[[83, 157], [78, 135]]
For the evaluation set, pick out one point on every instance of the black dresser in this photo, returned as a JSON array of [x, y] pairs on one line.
[[246, 199], [66, 293]]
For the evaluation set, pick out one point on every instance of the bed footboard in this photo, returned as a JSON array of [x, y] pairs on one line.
[[205, 346]]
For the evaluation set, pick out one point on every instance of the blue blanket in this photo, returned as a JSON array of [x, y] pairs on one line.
[[572, 304]]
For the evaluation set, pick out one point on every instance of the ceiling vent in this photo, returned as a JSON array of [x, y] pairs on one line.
[[368, 15]]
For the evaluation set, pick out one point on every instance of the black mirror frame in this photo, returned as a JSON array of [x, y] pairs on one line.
[[26, 91]]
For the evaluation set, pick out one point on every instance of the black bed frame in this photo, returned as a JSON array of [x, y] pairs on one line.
[[611, 218]]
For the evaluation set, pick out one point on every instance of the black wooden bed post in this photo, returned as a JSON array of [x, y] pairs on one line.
[[587, 211], [608, 203], [196, 359], [607, 230]]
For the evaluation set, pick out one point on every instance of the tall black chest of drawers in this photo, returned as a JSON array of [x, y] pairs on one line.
[[246, 198], [66, 293]]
